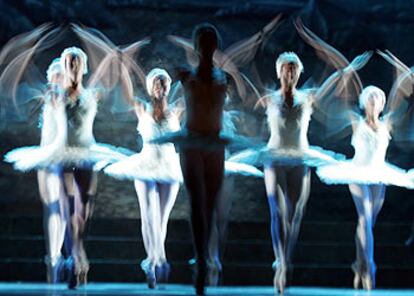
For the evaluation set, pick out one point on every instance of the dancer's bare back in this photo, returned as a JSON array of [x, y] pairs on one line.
[[205, 94]]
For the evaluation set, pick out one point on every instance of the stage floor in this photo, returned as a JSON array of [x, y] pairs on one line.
[[115, 289]]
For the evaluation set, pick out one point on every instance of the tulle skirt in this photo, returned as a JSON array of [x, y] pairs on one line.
[[313, 156], [347, 172], [166, 170], [141, 167], [43, 157], [189, 139], [234, 168]]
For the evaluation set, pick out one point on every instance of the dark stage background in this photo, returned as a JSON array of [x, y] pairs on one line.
[[351, 26]]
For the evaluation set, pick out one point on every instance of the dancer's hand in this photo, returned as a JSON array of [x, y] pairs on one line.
[[262, 102], [359, 62]]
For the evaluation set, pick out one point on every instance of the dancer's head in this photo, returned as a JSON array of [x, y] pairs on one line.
[[288, 68], [206, 40], [372, 100], [158, 83], [74, 62], [54, 73]]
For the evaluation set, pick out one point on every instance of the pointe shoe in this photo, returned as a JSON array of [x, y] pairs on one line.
[[151, 280], [84, 269], [192, 263], [83, 277], [213, 277], [278, 285], [279, 280], [357, 275], [214, 272], [275, 265], [74, 271], [149, 269], [367, 283], [368, 278], [162, 273], [54, 269], [66, 269], [166, 268], [200, 281], [199, 275]]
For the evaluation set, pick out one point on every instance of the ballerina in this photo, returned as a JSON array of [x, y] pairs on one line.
[[156, 173], [367, 173], [73, 150], [156, 169], [222, 208], [203, 170], [50, 181], [201, 141], [288, 156]]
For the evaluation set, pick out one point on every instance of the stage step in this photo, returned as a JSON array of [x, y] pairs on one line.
[[251, 251], [393, 232], [33, 270], [323, 255]]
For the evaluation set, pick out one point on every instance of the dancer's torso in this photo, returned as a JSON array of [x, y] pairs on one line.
[[80, 115], [150, 129], [204, 102], [370, 145], [47, 120], [289, 124]]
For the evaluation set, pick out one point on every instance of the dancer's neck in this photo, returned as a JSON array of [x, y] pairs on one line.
[[372, 121], [206, 65], [159, 108], [288, 93], [73, 89]]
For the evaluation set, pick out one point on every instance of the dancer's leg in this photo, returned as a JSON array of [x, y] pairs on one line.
[[377, 193], [213, 180], [410, 238], [52, 192], [192, 167], [146, 193], [69, 207], [84, 181], [298, 190], [167, 195], [365, 248], [219, 230], [149, 208], [275, 182]]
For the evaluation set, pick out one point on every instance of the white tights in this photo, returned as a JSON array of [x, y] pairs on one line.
[[156, 201], [287, 191], [54, 198], [368, 201]]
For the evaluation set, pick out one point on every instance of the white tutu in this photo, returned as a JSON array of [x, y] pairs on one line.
[[190, 139], [167, 170], [368, 166], [42, 157], [158, 163], [347, 172], [138, 166], [234, 168], [313, 156], [288, 144]]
